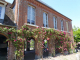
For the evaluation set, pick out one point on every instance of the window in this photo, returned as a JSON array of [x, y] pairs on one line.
[[31, 15], [62, 28], [45, 19], [0, 11], [55, 22], [67, 26]]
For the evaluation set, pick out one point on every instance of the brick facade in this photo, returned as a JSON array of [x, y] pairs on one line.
[[22, 7], [8, 21]]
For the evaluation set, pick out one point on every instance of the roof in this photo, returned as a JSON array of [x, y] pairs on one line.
[[13, 4], [4, 1], [43, 4], [9, 16], [51, 8]]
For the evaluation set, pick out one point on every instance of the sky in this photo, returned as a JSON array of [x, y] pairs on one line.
[[69, 8]]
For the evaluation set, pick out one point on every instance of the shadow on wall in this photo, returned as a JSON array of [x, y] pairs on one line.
[[8, 21]]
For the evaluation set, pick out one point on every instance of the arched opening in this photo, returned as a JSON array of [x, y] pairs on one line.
[[30, 49], [30, 45], [57, 50], [3, 47], [45, 50]]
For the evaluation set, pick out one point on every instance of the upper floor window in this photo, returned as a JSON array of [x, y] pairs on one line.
[[0, 11], [31, 15], [67, 26], [55, 22], [62, 27], [45, 19]]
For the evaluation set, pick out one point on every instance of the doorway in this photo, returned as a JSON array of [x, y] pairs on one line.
[[30, 50], [3, 47], [45, 50]]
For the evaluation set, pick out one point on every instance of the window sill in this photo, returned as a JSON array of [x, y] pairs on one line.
[[68, 32], [1, 24], [31, 25], [55, 29], [46, 27], [62, 30]]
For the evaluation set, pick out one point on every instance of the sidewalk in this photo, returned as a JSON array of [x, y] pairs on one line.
[[74, 56]]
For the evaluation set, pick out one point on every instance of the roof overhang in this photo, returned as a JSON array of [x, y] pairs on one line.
[[3, 3], [13, 4]]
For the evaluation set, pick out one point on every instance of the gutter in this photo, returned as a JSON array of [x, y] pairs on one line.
[[7, 26]]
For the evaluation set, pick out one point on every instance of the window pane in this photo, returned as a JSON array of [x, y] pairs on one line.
[[28, 12], [28, 21], [31, 15], [55, 23], [67, 26], [45, 19], [62, 28], [54, 19], [0, 15], [32, 22], [0, 10]]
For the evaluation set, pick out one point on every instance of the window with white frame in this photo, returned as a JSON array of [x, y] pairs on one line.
[[45, 19], [55, 22], [31, 15], [62, 27], [67, 26], [0, 11]]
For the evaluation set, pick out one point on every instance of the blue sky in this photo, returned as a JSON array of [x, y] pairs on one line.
[[69, 8]]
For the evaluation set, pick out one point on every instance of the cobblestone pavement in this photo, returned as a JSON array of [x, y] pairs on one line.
[[74, 56]]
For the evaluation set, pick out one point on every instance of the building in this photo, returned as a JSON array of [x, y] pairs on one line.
[[33, 13], [37, 13], [6, 20]]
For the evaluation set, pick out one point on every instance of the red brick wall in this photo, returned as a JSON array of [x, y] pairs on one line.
[[40, 8], [11, 52]]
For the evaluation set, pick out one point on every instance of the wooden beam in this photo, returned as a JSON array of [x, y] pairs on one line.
[[1, 3]]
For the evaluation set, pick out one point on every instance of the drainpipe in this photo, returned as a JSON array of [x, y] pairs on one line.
[[18, 12], [17, 19]]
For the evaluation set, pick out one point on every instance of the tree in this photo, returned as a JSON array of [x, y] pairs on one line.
[[76, 34]]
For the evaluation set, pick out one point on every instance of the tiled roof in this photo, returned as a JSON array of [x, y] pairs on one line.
[[9, 16]]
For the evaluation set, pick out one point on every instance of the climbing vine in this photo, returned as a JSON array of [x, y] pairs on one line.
[[18, 37]]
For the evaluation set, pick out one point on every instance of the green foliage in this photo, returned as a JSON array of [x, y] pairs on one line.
[[76, 34], [17, 37]]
